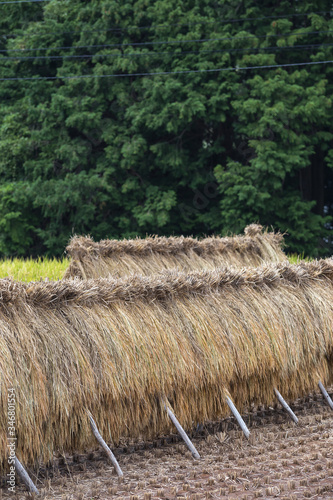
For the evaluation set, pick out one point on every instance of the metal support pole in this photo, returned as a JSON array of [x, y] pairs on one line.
[[326, 395], [238, 417], [183, 434], [286, 406]]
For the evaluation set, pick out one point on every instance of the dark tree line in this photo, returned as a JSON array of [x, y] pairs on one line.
[[185, 153]]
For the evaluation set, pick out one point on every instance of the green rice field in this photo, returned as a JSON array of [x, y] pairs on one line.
[[294, 258], [33, 270]]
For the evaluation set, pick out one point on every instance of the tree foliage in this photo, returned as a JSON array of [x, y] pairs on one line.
[[187, 153]]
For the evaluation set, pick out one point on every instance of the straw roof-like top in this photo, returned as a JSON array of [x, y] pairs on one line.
[[150, 255], [172, 284]]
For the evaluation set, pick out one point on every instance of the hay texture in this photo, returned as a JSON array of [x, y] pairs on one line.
[[151, 255], [117, 346]]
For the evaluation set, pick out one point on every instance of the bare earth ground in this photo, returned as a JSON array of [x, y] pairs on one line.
[[280, 460]]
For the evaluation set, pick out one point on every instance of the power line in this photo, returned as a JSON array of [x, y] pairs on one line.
[[267, 66], [168, 42], [163, 26], [25, 1], [149, 54]]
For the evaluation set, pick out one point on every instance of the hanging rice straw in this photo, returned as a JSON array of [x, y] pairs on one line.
[[116, 345], [147, 256]]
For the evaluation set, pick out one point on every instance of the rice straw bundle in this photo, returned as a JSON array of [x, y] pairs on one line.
[[152, 255], [117, 346]]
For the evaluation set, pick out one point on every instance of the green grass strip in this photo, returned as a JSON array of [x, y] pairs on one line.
[[33, 270]]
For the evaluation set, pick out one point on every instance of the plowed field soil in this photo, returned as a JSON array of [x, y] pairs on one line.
[[280, 460]]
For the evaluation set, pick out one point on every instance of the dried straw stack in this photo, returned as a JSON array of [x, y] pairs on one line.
[[116, 346], [151, 255]]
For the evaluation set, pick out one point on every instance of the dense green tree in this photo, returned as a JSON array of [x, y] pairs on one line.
[[184, 153]]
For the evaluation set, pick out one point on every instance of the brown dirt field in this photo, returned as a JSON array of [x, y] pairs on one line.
[[280, 460]]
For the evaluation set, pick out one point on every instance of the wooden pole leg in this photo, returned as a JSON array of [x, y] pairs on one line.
[[104, 446], [326, 395], [286, 406], [238, 417], [25, 477], [182, 433]]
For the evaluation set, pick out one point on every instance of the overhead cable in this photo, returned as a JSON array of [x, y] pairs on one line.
[[149, 54], [25, 1], [122, 75], [166, 26], [168, 42]]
